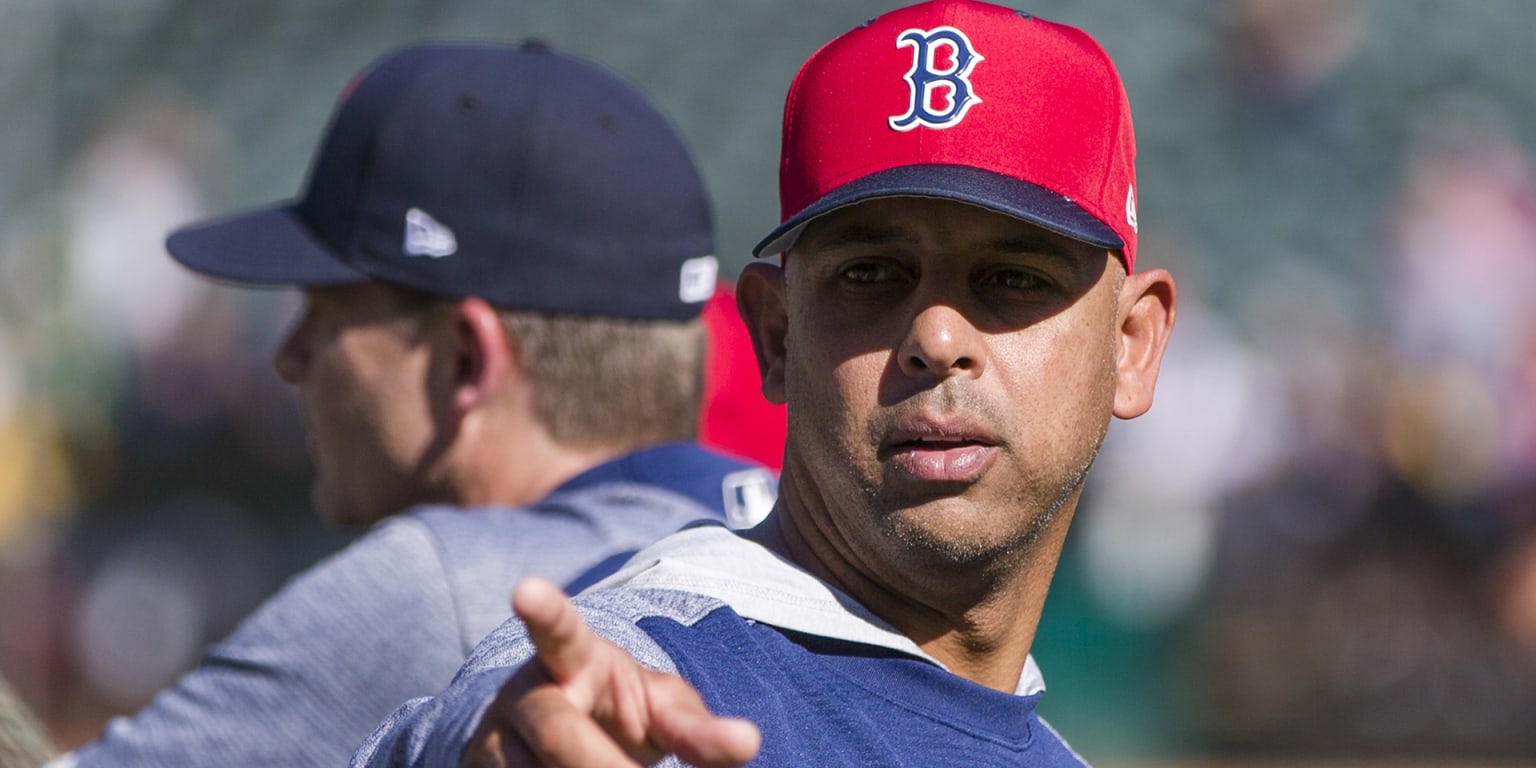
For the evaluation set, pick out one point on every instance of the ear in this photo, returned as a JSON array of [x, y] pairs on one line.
[[1148, 304], [760, 299], [483, 354]]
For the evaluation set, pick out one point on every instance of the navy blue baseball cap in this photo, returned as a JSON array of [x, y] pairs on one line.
[[519, 175]]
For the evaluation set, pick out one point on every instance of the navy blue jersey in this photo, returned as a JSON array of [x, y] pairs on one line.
[[827, 682]]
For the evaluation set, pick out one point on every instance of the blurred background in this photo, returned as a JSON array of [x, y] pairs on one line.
[[1318, 549]]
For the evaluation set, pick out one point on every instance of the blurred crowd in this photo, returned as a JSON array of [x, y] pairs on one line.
[[1321, 541], [1338, 540]]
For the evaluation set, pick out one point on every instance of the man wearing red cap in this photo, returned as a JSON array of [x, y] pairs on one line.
[[956, 319]]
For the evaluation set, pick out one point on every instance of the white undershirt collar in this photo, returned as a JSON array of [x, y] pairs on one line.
[[761, 585]]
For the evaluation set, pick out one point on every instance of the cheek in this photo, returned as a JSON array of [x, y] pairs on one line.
[[373, 394], [833, 390], [1062, 377], [1076, 350], [838, 367]]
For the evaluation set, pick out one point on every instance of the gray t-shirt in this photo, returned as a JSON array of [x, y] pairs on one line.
[[392, 617]]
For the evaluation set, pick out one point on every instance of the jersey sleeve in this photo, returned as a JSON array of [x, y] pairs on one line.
[[309, 674], [436, 731]]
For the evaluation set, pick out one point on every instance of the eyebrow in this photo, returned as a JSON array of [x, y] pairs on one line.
[[1059, 249], [856, 234], [866, 234]]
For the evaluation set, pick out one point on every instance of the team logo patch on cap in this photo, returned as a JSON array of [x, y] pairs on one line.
[[426, 236], [939, 81], [696, 280]]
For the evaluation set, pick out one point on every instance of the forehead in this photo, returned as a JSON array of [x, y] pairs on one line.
[[934, 223], [364, 302]]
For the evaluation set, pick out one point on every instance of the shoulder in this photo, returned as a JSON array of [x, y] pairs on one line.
[[616, 615], [558, 537], [730, 489], [631, 605], [392, 564], [625, 617], [386, 594], [377, 604]]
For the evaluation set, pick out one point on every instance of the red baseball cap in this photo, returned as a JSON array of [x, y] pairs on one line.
[[966, 101]]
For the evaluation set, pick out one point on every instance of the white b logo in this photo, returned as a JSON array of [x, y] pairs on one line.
[[927, 80]]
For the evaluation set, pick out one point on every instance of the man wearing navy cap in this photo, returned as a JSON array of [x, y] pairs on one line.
[[504, 253], [957, 317]]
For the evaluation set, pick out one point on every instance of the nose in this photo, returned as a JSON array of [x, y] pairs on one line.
[[291, 358], [941, 342]]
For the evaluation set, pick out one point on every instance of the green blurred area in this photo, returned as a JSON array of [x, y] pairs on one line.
[[268, 72]]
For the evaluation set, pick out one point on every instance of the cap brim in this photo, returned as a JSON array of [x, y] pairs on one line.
[[961, 183], [267, 246]]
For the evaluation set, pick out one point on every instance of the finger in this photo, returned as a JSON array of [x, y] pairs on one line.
[[497, 741], [596, 677], [489, 750], [532, 723], [681, 724], [645, 714], [563, 640], [708, 741], [557, 734]]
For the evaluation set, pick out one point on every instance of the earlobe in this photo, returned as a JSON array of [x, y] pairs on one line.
[[760, 299], [1148, 305], [483, 356]]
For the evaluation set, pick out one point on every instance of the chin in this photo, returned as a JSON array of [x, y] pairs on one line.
[[953, 532], [951, 547]]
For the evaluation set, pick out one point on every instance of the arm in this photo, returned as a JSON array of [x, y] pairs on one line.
[[586, 702], [299, 683], [583, 701]]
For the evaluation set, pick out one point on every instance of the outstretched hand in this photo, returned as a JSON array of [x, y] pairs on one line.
[[582, 701]]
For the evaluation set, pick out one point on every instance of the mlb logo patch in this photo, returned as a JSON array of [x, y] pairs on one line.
[[749, 495]]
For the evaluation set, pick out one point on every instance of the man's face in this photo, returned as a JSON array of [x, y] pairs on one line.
[[950, 374], [362, 371]]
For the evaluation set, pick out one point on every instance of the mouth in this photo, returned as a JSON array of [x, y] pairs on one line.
[[938, 442], [936, 452]]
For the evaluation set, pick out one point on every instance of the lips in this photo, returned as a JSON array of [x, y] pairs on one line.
[[940, 450]]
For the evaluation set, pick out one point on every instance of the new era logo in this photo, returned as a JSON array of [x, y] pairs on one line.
[[426, 236], [696, 282]]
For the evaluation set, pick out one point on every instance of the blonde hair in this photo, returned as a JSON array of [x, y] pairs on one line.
[[599, 382], [602, 382]]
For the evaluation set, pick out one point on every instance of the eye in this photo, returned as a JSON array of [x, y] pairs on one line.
[[1017, 278], [869, 272]]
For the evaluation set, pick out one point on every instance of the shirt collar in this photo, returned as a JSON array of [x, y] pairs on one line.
[[704, 476], [762, 585]]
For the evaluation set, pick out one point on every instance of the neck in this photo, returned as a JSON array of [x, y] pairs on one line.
[[503, 470], [977, 618]]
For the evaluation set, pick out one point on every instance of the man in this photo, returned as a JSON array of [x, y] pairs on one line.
[[504, 253], [956, 319]]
